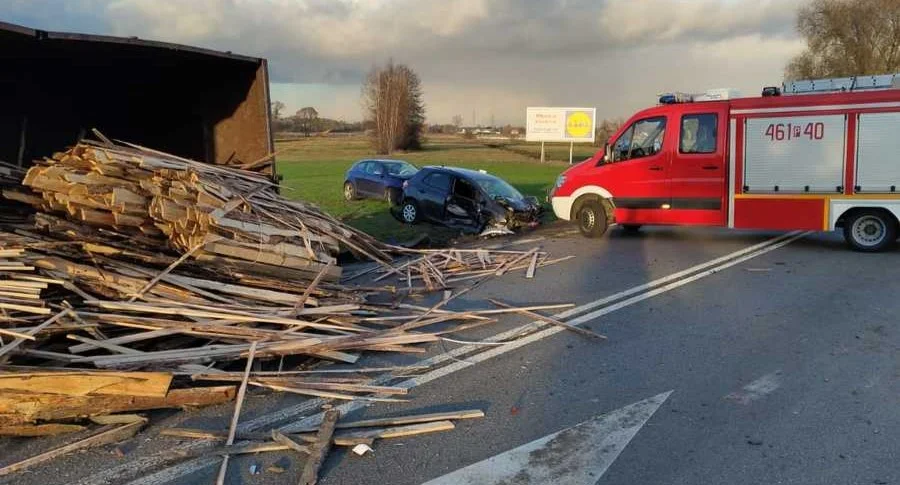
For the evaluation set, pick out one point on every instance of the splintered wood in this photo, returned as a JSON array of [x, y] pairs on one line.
[[234, 218], [145, 281], [438, 269]]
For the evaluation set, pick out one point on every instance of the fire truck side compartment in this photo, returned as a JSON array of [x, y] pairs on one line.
[[878, 153], [197, 103]]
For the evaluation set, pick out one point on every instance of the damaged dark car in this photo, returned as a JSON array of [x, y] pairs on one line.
[[470, 200]]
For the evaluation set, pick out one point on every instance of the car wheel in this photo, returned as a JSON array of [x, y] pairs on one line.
[[870, 230], [409, 212], [631, 228], [392, 196], [592, 219], [349, 191]]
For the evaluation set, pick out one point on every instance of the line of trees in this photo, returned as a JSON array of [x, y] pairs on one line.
[[307, 121], [392, 97], [847, 38]]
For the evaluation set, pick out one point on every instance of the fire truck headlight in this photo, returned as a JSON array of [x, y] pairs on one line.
[[560, 181]]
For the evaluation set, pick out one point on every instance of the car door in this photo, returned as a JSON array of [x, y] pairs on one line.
[[370, 177], [638, 173], [462, 202], [376, 179], [363, 184], [433, 194], [698, 170]]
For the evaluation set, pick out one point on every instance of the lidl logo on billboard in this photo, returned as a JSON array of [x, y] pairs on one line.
[[560, 124], [579, 124]]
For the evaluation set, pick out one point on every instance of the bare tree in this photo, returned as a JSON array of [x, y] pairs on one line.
[[847, 38], [457, 121], [276, 107], [606, 129], [306, 118], [392, 96]]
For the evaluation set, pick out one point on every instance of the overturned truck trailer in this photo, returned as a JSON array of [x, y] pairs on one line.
[[196, 103]]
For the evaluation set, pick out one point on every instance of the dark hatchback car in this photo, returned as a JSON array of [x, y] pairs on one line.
[[378, 179], [466, 199]]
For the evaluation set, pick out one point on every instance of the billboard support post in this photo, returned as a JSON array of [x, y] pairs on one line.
[[542, 152], [571, 149]]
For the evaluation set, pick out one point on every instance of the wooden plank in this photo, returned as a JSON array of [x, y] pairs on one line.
[[309, 288], [352, 438], [33, 430], [403, 420], [507, 266], [232, 430], [166, 271], [295, 382], [323, 394], [34, 331], [32, 407], [103, 345], [14, 334], [582, 331], [532, 267], [319, 450], [104, 436], [84, 383], [26, 308], [282, 439]]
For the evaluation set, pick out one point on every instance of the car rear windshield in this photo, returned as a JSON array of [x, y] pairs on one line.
[[400, 168], [496, 187]]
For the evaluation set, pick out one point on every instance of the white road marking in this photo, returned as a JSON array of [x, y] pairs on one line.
[[118, 473], [757, 389], [579, 455]]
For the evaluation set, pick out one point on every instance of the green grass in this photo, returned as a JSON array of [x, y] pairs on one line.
[[556, 152], [313, 170]]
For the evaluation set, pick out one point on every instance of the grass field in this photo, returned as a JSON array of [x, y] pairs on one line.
[[313, 170]]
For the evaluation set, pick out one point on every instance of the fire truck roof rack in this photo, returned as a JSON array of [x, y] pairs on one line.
[[842, 84]]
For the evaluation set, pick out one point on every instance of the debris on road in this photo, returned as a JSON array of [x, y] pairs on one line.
[[144, 280], [313, 443], [362, 448], [437, 269]]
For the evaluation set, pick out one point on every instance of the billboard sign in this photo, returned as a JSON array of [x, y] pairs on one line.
[[561, 124]]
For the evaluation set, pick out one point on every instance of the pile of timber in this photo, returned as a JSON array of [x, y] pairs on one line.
[[221, 216], [145, 281]]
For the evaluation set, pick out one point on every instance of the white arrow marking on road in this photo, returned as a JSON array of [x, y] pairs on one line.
[[579, 455]]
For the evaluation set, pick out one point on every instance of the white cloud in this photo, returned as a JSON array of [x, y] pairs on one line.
[[489, 55], [647, 21]]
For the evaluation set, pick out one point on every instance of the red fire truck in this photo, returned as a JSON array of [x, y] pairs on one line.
[[815, 155]]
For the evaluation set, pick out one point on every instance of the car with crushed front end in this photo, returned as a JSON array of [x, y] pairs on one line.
[[473, 201], [377, 179]]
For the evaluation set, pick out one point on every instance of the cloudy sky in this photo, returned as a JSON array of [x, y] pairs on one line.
[[476, 57]]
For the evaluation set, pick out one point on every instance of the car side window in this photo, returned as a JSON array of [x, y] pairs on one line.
[[439, 181], [698, 133], [372, 168], [642, 139], [377, 168], [363, 167], [464, 189]]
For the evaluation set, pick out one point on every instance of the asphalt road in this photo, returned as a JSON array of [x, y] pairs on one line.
[[783, 368]]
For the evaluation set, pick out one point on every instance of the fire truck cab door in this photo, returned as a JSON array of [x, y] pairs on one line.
[[638, 171], [698, 171]]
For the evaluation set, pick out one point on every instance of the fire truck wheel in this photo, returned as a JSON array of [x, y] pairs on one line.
[[870, 230], [592, 219]]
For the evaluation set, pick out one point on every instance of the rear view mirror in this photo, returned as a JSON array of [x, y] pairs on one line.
[[606, 154]]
